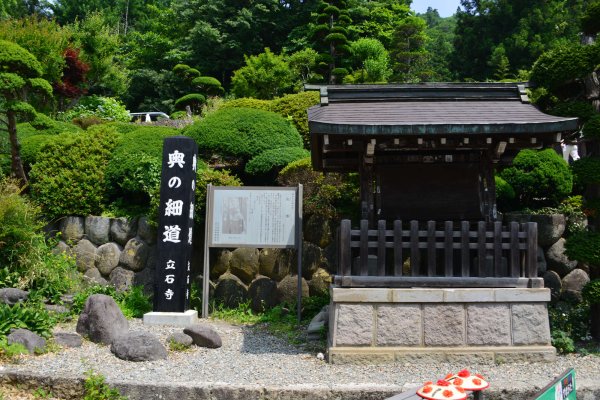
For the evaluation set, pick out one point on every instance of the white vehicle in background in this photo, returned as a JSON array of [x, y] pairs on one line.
[[149, 116]]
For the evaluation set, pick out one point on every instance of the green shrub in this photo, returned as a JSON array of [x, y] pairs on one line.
[[539, 178], [591, 292], [214, 177], [31, 146], [584, 247], [209, 85], [590, 20], [586, 170], [242, 133], [104, 108], [296, 106], [591, 129], [96, 388], [87, 121], [68, 177], [330, 195], [570, 318], [9, 352], [122, 127], [32, 316], [561, 65], [505, 194], [26, 129], [580, 109], [563, 342], [274, 160], [133, 172], [194, 100], [247, 102], [133, 302]]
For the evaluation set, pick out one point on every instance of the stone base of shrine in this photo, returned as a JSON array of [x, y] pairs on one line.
[[181, 319], [372, 325]]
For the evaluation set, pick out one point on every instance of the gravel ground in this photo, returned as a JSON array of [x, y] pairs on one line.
[[252, 358]]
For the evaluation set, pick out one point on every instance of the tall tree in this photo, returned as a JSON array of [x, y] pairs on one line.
[[408, 52], [20, 78]]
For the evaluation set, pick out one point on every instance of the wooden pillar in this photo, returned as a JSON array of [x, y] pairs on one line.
[[367, 203], [488, 187]]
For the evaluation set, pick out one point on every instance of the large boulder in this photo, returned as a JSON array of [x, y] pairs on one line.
[[97, 229], [72, 228], [107, 257], [12, 296], [557, 259], [203, 336], [138, 346], [230, 291], [145, 278], [32, 341], [85, 255], [121, 279], [262, 293], [573, 283], [317, 230], [553, 282], [319, 283], [135, 254], [244, 263], [550, 228], [146, 231], [286, 263], [67, 339], [222, 258], [122, 229], [287, 289], [102, 320], [94, 277], [266, 261]]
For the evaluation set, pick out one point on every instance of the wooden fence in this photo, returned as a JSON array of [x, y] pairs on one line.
[[436, 254]]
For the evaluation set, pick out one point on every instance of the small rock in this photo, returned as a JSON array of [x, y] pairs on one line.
[[180, 338], [122, 229], [552, 281], [67, 339], [320, 356], [101, 319], [72, 228], [94, 277], [97, 229], [319, 321], [122, 279], [557, 259], [107, 257], [573, 283], [12, 296], [204, 336], [319, 283], [135, 254], [138, 346], [32, 341]]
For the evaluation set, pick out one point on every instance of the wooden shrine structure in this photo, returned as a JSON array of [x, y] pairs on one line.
[[429, 236]]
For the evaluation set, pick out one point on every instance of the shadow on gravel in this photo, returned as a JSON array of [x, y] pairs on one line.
[[259, 341]]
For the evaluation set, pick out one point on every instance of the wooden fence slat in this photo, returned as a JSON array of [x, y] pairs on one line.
[[498, 272], [481, 248], [464, 251], [398, 259], [415, 258], [431, 261], [448, 249], [364, 247], [345, 249], [532, 240], [515, 260], [381, 248]]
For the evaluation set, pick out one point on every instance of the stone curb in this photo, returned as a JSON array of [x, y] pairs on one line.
[[72, 388]]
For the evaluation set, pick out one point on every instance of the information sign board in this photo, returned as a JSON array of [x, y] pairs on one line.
[[562, 388]]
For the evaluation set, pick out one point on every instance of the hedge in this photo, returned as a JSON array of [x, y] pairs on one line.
[[586, 170], [274, 159]]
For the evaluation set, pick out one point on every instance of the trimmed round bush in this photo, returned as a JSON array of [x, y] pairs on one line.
[[296, 106], [134, 169], [584, 247], [31, 146], [68, 176], [248, 102], [275, 159], [591, 129], [194, 100], [539, 178], [505, 194], [208, 84], [586, 170], [242, 132]]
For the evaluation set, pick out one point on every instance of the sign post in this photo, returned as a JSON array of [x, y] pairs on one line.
[[561, 388], [175, 231], [264, 217]]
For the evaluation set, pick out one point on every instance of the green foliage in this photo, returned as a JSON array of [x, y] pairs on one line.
[[590, 21], [9, 352], [591, 292], [539, 178], [408, 52], [586, 170], [105, 108], [580, 109], [194, 100], [563, 342], [591, 129], [584, 247], [505, 194], [133, 172], [328, 195], [370, 61], [265, 76], [28, 315], [248, 102], [209, 85], [295, 106], [174, 346], [562, 65], [31, 146], [95, 388], [571, 319], [68, 178], [205, 176], [242, 132], [273, 160]]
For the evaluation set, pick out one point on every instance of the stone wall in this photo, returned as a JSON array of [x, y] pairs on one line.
[[474, 325]]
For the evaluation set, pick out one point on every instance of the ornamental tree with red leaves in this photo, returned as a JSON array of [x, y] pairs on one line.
[[74, 76]]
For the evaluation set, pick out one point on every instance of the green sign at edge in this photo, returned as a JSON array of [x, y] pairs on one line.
[[562, 388]]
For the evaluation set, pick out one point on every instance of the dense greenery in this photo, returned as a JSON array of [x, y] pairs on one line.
[[275, 159]]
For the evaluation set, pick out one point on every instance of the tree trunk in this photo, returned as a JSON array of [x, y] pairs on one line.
[[16, 164]]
